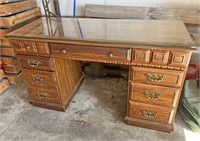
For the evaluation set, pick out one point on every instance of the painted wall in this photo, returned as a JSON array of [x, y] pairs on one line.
[[66, 6]]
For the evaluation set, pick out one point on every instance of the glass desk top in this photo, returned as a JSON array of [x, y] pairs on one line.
[[115, 31]]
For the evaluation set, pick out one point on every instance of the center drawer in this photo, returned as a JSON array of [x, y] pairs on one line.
[[92, 53], [157, 76]]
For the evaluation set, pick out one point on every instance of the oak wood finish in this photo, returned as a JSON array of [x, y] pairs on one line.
[[14, 69], [92, 53], [150, 112], [43, 93], [4, 84], [2, 75], [15, 79], [39, 78], [157, 76], [71, 73], [10, 61], [18, 18], [29, 47], [32, 62], [7, 51], [157, 59], [5, 42], [6, 9], [157, 95]]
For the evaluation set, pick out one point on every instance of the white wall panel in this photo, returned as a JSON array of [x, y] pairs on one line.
[[66, 6]]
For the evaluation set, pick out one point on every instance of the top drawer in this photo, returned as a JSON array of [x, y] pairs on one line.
[[41, 48], [92, 53], [157, 76], [161, 57]]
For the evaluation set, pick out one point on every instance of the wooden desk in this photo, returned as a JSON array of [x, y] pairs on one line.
[[157, 52]]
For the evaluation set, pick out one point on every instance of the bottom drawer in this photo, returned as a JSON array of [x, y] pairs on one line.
[[150, 112], [49, 94]]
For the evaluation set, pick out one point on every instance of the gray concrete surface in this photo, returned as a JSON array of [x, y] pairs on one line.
[[95, 114]]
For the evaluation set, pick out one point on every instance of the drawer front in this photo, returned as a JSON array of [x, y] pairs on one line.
[[43, 48], [39, 78], [141, 56], [179, 59], [157, 76], [48, 94], [91, 53], [150, 112], [18, 45], [31, 47], [150, 94], [35, 62]]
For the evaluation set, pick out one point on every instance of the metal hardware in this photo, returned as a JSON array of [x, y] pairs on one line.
[[28, 47], [154, 77], [153, 95], [149, 114], [37, 79], [33, 63], [110, 54], [64, 51], [42, 95]]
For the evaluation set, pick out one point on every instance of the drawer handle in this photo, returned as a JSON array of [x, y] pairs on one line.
[[33, 63], [153, 95], [64, 51], [110, 55], [154, 77], [37, 79], [42, 95], [28, 47], [149, 114]]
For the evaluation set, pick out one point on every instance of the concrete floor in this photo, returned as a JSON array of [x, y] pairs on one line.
[[95, 114]]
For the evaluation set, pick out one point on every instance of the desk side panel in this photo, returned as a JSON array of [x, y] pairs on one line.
[[69, 77]]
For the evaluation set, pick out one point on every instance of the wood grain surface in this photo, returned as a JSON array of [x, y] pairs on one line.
[[18, 18], [7, 9], [148, 13]]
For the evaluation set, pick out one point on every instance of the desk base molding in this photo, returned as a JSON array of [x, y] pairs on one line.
[[149, 124]]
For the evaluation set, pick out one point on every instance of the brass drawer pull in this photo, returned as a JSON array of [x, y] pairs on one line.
[[149, 114], [153, 95], [37, 79], [64, 51], [42, 95], [154, 77], [28, 47], [33, 63], [110, 55]]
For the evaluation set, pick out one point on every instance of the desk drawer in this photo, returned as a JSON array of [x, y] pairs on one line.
[[35, 62], [92, 53], [31, 47], [49, 94], [150, 112], [157, 76], [39, 78], [150, 94]]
